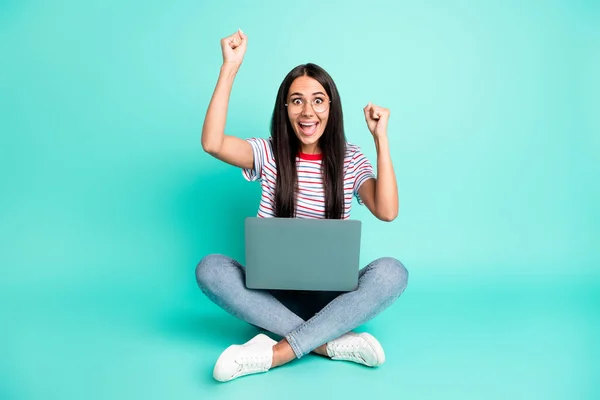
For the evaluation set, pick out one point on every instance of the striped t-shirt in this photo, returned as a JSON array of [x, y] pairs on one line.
[[310, 200]]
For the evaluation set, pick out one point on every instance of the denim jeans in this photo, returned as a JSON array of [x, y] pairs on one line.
[[306, 319]]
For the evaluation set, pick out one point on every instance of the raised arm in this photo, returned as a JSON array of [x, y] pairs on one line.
[[230, 149], [380, 195]]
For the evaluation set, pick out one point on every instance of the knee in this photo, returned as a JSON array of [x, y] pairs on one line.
[[209, 268], [391, 274]]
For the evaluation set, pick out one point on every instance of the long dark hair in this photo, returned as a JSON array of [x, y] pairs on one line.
[[286, 146]]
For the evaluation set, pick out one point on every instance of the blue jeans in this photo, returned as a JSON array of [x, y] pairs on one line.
[[306, 319]]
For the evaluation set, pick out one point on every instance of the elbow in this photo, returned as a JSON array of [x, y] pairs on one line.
[[210, 150], [389, 216], [210, 147], [211, 140]]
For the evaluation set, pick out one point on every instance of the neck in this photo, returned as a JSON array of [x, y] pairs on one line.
[[310, 148]]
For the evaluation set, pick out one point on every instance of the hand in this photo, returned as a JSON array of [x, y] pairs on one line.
[[234, 48], [377, 119]]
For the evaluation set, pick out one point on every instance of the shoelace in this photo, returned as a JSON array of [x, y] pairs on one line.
[[353, 345], [252, 362]]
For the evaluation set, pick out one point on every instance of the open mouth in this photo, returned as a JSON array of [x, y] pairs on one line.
[[308, 128]]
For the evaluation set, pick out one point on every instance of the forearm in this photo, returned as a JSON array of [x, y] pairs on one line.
[[386, 189], [213, 130]]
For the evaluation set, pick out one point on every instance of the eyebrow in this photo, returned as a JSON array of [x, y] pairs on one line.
[[300, 94]]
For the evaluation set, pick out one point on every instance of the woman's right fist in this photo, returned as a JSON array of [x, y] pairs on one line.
[[234, 48]]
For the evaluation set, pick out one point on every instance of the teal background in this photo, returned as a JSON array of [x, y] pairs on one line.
[[108, 201]]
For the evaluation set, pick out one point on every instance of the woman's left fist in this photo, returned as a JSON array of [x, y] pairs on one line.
[[377, 119]]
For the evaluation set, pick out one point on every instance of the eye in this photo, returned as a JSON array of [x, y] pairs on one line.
[[297, 101], [318, 100]]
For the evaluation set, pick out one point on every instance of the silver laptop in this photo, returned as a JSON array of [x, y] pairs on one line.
[[302, 254]]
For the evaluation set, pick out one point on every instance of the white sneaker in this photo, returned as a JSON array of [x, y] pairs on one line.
[[252, 357], [360, 348]]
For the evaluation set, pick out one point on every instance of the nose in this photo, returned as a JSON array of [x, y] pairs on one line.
[[307, 109]]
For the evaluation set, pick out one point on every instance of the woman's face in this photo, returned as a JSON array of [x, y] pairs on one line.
[[304, 96]]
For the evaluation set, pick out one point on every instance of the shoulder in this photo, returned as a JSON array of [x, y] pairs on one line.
[[263, 146], [353, 151], [265, 142]]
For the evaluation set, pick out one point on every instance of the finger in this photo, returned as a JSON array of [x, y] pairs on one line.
[[379, 112], [243, 38], [384, 112], [233, 40], [367, 111], [375, 113], [225, 42]]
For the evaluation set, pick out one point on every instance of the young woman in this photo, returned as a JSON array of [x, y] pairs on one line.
[[307, 170]]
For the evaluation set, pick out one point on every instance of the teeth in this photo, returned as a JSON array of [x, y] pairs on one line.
[[311, 124]]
